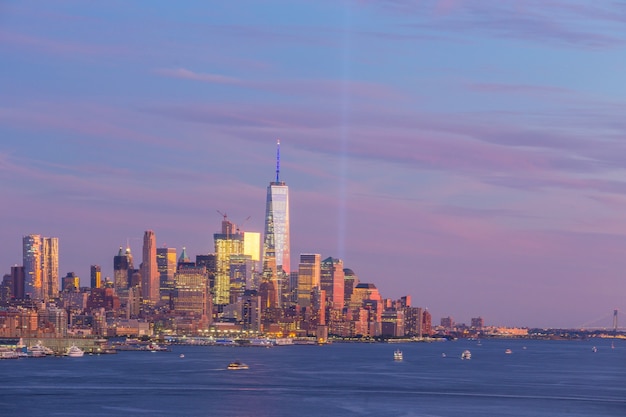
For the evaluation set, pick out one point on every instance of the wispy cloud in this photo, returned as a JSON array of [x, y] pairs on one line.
[[580, 24], [307, 88], [186, 74], [55, 46]]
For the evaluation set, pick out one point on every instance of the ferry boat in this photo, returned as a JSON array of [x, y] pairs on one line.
[[236, 365], [397, 355], [466, 355], [75, 352]]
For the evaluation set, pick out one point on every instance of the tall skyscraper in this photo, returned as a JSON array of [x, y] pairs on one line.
[[41, 267], [149, 269], [17, 279], [32, 255], [227, 244], [166, 263], [332, 281], [276, 246], [308, 277], [96, 276], [50, 267], [122, 267]]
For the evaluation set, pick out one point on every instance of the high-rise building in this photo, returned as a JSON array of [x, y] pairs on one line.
[[241, 274], [276, 246], [227, 244], [149, 269], [308, 277], [166, 264], [41, 267], [32, 267], [50, 267], [122, 268], [95, 276], [17, 279], [332, 281], [252, 245], [71, 282], [190, 293]]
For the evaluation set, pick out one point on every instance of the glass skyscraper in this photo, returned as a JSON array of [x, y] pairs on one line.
[[276, 254], [41, 267]]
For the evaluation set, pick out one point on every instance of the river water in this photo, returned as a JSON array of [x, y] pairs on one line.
[[539, 378]]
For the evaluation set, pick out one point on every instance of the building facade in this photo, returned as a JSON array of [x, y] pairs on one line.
[[95, 276], [228, 243], [41, 267], [276, 239], [149, 270], [309, 271]]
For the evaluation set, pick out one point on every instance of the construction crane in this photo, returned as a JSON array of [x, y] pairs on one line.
[[223, 215], [242, 223]]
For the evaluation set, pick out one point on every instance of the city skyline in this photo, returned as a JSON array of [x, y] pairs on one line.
[[469, 155]]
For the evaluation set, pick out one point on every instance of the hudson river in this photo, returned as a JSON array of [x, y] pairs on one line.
[[539, 378]]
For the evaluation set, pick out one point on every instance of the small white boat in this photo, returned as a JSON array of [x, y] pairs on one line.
[[594, 349], [397, 355], [508, 351], [75, 352], [182, 355], [236, 365], [466, 355], [443, 355]]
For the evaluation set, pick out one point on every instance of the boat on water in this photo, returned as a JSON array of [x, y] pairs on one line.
[[594, 349], [508, 351], [6, 353], [75, 352], [236, 365], [466, 355], [39, 351], [397, 355]]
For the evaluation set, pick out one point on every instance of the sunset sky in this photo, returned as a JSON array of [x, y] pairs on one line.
[[471, 154]]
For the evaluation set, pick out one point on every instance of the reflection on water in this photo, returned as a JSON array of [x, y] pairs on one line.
[[537, 378]]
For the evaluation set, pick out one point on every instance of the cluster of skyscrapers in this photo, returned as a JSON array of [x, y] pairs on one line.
[[243, 285]]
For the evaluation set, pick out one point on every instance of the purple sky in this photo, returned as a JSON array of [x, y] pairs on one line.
[[469, 154]]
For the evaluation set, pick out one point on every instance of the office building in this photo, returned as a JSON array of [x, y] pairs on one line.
[[41, 267], [332, 280], [17, 280], [241, 274], [95, 276], [122, 270], [227, 243], [166, 264], [309, 271], [71, 282], [50, 267], [149, 269], [276, 241], [190, 293]]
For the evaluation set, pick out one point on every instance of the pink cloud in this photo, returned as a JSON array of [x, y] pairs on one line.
[[291, 87], [56, 47]]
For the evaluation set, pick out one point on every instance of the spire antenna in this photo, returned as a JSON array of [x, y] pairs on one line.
[[277, 160]]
